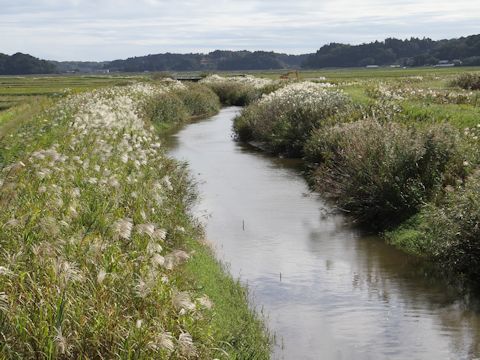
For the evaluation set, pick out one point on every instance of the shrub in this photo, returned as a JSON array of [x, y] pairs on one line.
[[178, 103], [240, 90], [467, 81], [437, 96], [234, 94], [450, 232], [199, 100], [166, 108], [382, 174], [284, 119]]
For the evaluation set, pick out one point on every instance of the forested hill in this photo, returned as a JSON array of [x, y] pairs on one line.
[[20, 64], [411, 52], [216, 60]]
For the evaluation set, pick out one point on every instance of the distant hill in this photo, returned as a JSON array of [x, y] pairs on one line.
[[216, 60], [79, 66], [410, 52], [21, 64]]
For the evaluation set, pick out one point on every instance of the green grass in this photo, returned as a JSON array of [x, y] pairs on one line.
[[18, 89], [6, 115], [461, 115], [408, 237], [358, 94], [234, 325], [21, 114], [368, 74]]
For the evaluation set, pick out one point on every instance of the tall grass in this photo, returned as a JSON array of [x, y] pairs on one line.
[[383, 173], [199, 100], [284, 119], [450, 232], [95, 234], [239, 90], [468, 81], [181, 103], [166, 110], [447, 230]]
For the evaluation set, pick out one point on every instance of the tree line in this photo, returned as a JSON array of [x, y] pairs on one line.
[[215, 60], [23, 64], [391, 51], [409, 52]]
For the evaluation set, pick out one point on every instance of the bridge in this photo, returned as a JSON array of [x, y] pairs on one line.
[[191, 78]]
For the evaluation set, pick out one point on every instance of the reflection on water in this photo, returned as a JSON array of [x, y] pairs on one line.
[[329, 292]]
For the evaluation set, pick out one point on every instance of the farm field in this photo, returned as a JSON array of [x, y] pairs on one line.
[[16, 89], [357, 82]]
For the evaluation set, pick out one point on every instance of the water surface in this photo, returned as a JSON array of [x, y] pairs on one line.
[[329, 291]]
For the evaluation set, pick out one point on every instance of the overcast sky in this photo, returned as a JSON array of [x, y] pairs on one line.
[[112, 29]]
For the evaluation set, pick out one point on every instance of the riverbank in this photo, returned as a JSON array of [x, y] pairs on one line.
[[101, 256], [407, 172]]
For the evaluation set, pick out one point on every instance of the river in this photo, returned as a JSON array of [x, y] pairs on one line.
[[328, 291]]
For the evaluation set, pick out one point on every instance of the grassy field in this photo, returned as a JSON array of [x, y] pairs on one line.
[[357, 82], [364, 73], [18, 89]]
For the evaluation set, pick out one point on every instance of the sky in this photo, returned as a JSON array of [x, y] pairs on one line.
[[113, 29]]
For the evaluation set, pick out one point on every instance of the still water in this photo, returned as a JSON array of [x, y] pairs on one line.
[[328, 291]]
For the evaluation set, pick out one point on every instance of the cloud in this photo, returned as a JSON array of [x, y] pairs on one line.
[[108, 29]]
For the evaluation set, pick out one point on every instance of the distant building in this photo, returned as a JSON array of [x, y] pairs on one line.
[[372, 66], [395, 66]]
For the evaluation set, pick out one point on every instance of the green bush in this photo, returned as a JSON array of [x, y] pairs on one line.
[[467, 81], [383, 174], [284, 119], [238, 90], [234, 93], [199, 100], [448, 232], [455, 228], [166, 108]]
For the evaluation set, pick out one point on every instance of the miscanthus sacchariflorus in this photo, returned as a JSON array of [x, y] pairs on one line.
[[93, 224]]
